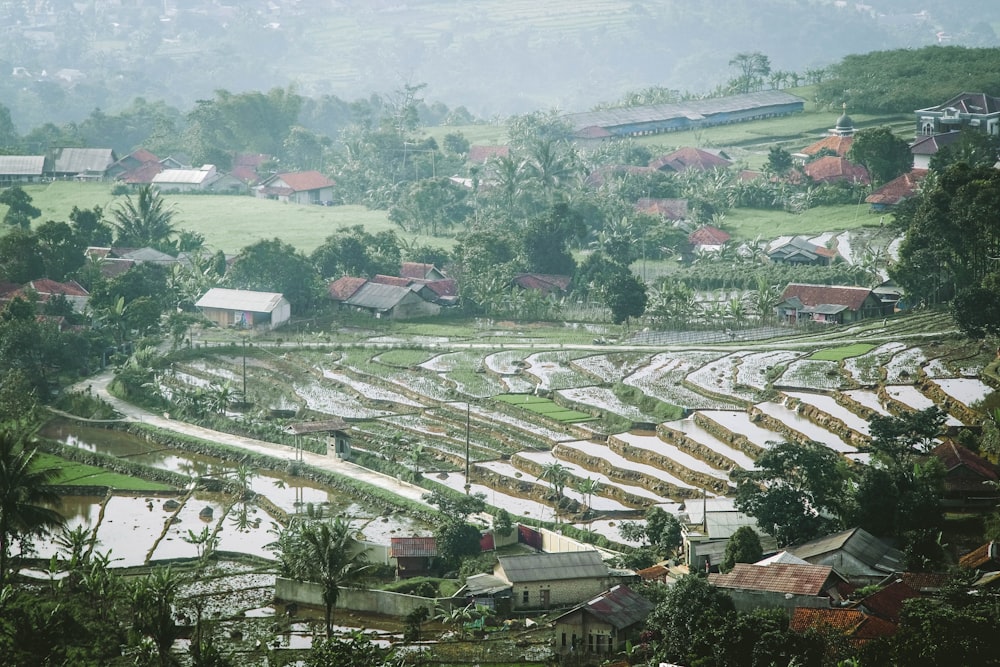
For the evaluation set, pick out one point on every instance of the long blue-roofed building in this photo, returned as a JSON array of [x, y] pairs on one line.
[[674, 117]]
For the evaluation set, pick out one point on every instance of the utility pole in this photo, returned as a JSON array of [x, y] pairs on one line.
[[468, 483]]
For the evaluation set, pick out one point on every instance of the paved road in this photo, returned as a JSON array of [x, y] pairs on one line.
[[98, 384]]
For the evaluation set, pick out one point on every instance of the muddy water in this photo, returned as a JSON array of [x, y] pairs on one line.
[[142, 529]]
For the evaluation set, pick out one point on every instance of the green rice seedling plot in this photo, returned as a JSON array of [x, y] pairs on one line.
[[71, 473], [841, 353], [403, 358], [545, 407]]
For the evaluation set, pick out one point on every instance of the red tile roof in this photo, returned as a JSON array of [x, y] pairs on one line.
[[816, 295], [689, 158], [708, 235], [776, 578], [480, 154], [856, 625], [898, 189], [979, 557], [412, 547], [143, 156], [954, 456], [832, 169], [344, 288], [654, 573], [141, 175], [301, 181], [670, 209], [838, 144], [888, 602]]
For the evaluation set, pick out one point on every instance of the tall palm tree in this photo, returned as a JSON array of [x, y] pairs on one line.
[[143, 221], [325, 553], [557, 475], [25, 498]]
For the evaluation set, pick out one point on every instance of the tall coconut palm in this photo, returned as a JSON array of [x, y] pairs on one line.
[[556, 474], [143, 221], [25, 498], [325, 553]]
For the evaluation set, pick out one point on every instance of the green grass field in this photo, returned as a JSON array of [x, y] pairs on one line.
[[72, 473], [545, 407], [228, 222], [748, 224], [841, 353]]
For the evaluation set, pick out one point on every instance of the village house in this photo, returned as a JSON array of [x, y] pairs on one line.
[[687, 158], [978, 111], [244, 309], [604, 624], [708, 239], [82, 164], [837, 142], [781, 585], [297, 187], [187, 180], [857, 627], [799, 250], [553, 580], [544, 283], [414, 556], [674, 210], [707, 525], [829, 304], [21, 169], [385, 301], [969, 479], [855, 553]]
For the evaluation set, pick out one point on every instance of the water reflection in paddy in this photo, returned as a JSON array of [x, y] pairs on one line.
[[135, 529]]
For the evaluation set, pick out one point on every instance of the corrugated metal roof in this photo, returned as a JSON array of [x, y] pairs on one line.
[[324, 426], [378, 296], [80, 160], [860, 544], [22, 165], [485, 584], [183, 176], [692, 109], [775, 578], [238, 299], [552, 567], [621, 607]]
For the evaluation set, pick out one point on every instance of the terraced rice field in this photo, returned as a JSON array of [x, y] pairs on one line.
[[738, 398]]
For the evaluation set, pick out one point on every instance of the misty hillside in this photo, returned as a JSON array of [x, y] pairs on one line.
[[59, 60]]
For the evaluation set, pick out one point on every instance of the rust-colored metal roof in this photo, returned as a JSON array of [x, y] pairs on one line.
[[344, 288], [302, 181], [412, 547], [545, 283], [418, 270], [689, 158], [391, 280], [777, 578], [44, 286], [814, 295], [621, 607]]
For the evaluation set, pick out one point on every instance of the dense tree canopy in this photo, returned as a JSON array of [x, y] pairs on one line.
[[275, 266], [882, 153]]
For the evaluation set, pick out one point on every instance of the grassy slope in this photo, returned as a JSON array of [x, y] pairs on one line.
[[228, 222], [80, 474]]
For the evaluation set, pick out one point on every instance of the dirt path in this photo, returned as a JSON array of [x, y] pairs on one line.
[[98, 385]]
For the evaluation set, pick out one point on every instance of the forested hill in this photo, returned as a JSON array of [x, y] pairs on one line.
[[59, 60], [904, 79]]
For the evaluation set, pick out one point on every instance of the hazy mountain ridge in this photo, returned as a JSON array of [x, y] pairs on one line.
[[60, 60]]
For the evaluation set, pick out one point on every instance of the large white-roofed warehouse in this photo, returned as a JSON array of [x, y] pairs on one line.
[[244, 309], [657, 118]]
